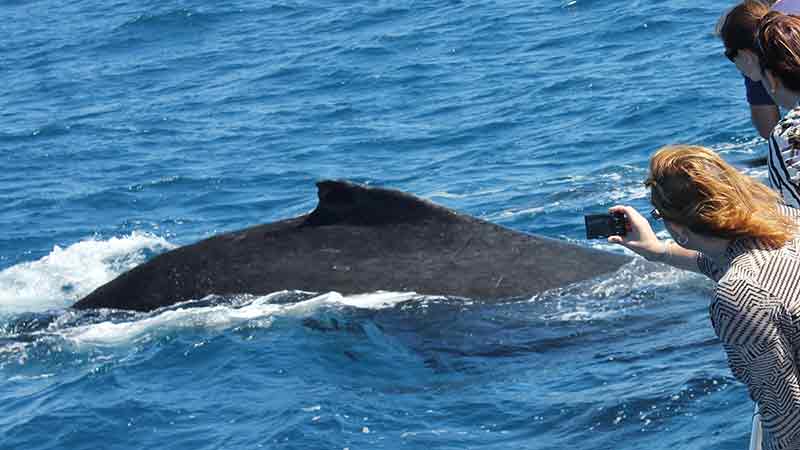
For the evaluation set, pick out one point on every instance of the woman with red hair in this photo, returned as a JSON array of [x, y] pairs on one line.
[[739, 233]]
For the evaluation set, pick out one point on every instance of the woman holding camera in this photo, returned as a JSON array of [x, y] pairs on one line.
[[737, 231]]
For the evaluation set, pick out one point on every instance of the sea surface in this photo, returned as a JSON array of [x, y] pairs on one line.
[[128, 128]]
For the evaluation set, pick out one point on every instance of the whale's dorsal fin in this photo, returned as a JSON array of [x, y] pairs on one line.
[[344, 202]]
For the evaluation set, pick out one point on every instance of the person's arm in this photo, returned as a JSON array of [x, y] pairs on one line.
[[643, 241], [764, 118], [764, 114]]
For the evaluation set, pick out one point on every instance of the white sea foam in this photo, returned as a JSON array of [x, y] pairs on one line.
[[747, 146], [617, 293], [260, 312], [638, 274], [760, 173], [67, 274], [626, 193]]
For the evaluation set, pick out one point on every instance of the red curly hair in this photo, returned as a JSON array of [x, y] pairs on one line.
[[693, 186]]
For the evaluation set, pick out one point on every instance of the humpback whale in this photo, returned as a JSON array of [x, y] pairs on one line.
[[359, 239]]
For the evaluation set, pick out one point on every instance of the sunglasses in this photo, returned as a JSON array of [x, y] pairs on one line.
[[656, 214], [731, 53]]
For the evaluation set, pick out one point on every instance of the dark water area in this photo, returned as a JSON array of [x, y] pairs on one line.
[[129, 128]]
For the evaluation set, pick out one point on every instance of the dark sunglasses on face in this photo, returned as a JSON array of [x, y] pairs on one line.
[[731, 53], [656, 214]]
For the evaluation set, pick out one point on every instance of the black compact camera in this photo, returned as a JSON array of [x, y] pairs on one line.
[[605, 225]]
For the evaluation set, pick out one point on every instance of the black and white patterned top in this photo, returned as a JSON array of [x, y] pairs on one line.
[[756, 314], [783, 160]]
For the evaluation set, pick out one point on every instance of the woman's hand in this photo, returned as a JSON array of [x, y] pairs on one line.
[[640, 237]]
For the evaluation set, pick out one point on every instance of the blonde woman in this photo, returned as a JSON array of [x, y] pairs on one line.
[[739, 233]]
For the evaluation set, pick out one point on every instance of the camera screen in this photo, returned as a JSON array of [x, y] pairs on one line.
[[604, 225]]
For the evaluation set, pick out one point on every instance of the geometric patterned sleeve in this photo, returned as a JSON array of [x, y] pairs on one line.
[[790, 211], [753, 329], [707, 267]]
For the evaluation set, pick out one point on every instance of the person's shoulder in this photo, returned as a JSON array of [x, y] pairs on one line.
[[790, 211], [788, 125], [739, 277], [794, 214], [791, 118]]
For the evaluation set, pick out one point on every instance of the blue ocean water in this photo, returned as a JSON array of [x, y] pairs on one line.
[[129, 128]]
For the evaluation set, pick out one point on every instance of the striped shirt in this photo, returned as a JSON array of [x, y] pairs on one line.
[[755, 312], [783, 160]]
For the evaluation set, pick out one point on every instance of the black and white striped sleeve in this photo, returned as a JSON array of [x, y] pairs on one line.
[[782, 163], [747, 321]]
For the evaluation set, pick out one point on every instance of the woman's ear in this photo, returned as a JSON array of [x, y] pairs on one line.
[[748, 63], [771, 82]]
